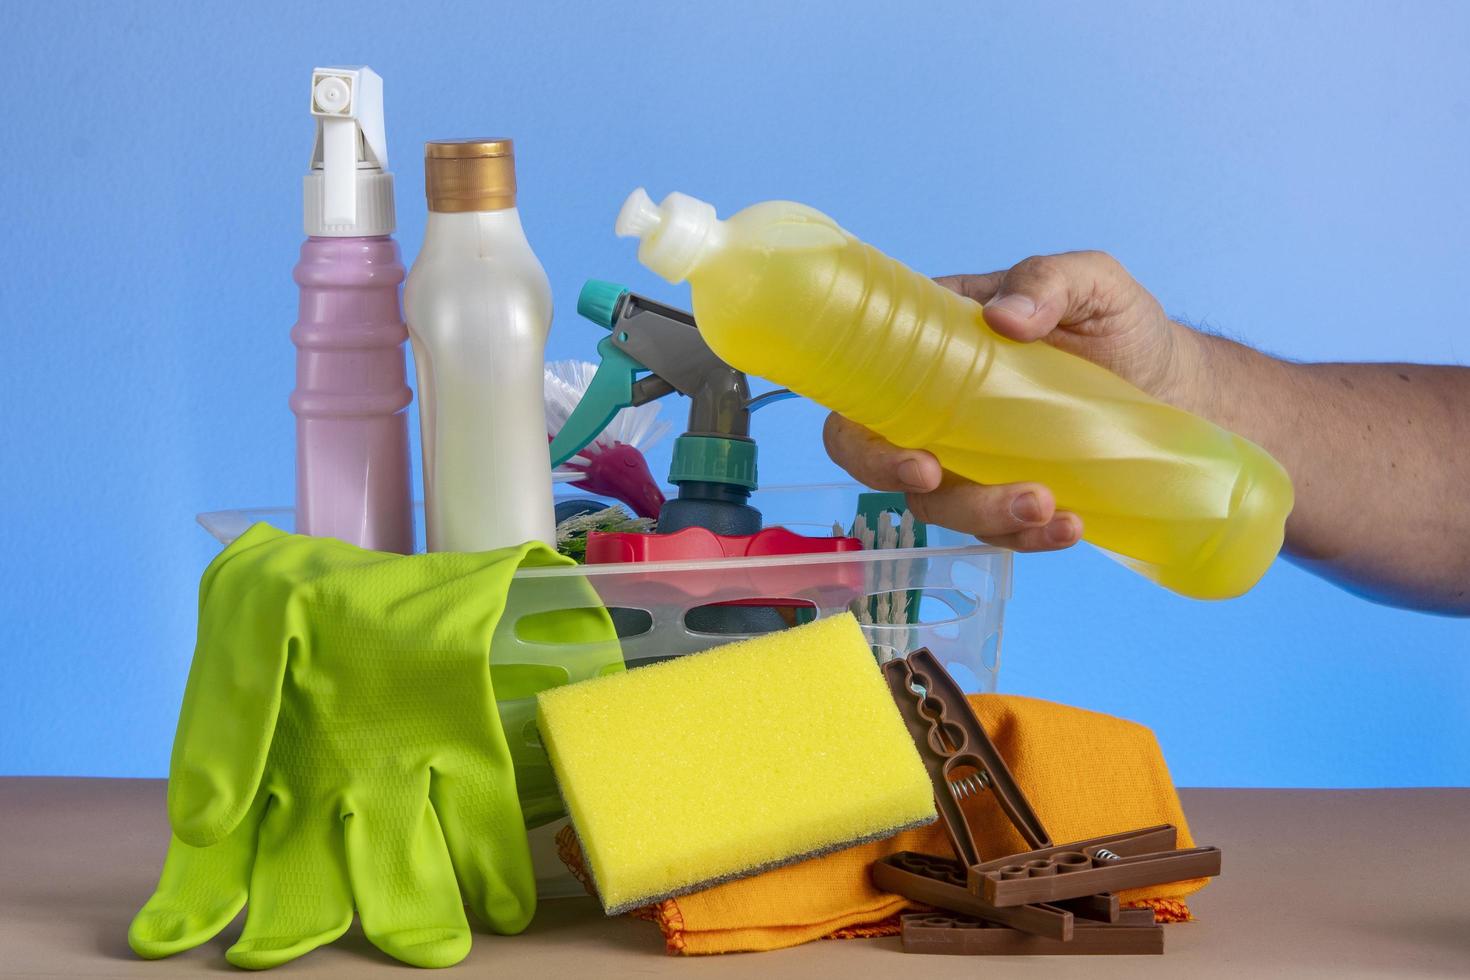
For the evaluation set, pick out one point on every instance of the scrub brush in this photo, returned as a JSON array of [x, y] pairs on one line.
[[725, 763], [884, 522], [612, 465]]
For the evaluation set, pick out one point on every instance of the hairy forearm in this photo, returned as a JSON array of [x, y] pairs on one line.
[[1378, 456]]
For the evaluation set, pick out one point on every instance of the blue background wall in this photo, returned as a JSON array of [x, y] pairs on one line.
[[1294, 174]]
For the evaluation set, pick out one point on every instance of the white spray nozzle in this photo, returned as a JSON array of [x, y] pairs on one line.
[[638, 216], [347, 104], [676, 234]]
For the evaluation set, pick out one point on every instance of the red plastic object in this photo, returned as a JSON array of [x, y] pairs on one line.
[[697, 543], [701, 544]]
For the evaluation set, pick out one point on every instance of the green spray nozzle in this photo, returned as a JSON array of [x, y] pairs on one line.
[[599, 301], [611, 389]]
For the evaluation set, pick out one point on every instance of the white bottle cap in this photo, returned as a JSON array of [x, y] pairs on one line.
[[349, 192], [675, 235]]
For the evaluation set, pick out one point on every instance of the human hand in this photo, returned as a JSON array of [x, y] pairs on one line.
[[1084, 303]]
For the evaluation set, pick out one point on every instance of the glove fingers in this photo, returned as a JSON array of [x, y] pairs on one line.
[[404, 883], [200, 890], [486, 837], [299, 894]]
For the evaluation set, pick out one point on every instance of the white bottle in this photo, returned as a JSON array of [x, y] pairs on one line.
[[478, 307]]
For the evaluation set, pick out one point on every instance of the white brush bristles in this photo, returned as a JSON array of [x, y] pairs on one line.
[[566, 383]]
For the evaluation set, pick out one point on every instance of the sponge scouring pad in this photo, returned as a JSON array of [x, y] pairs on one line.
[[728, 762]]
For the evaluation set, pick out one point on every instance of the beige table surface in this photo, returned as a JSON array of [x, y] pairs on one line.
[[1369, 883]]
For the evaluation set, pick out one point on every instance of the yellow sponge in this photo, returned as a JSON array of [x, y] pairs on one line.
[[728, 762]]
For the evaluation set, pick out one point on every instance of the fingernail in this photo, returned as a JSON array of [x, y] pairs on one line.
[[1060, 531], [1014, 303], [911, 474], [1026, 508]]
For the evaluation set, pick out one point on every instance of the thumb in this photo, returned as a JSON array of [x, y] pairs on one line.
[[1040, 293], [247, 628]]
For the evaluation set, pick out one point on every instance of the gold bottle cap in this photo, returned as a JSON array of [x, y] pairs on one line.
[[470, 174]]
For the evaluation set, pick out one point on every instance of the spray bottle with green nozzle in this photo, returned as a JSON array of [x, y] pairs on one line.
[[714, 464]]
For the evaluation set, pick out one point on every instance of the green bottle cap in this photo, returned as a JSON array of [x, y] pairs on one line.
[[599, 300], [711, 459]]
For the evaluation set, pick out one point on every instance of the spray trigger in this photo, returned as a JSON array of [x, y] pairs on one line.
[[610, 392]]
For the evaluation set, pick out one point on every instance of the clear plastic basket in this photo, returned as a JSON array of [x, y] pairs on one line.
[[959, 587]]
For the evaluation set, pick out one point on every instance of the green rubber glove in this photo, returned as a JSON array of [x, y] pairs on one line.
[[339, 746]]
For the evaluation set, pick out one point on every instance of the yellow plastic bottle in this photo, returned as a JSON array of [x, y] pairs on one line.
[[781, 291]]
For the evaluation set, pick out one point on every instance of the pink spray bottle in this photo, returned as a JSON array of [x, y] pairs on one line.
[[351, 398]]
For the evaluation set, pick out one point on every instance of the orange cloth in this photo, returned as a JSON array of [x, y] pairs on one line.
[[1086, 774]]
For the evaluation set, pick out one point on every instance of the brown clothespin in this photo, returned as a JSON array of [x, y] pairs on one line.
[[1135, 859], [1133, 934], [1038, 893], [962, 761]]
